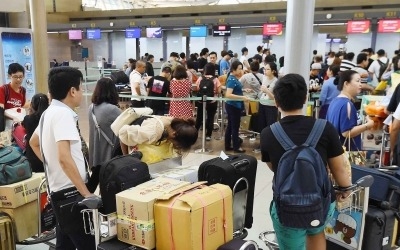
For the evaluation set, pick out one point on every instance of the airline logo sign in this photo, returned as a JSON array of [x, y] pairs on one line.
[[272, 29], [358, 26], [389, 25]]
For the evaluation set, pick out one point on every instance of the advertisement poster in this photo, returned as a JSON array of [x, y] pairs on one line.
[[17, 47], [358, 26], [389, 26], [274, 29]]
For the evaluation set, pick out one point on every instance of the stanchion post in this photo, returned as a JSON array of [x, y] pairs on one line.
[[203, 140], [316, 108]]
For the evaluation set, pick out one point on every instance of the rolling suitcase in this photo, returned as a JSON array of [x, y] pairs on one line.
[[7, 239], [242, 168], [385, 191], [378, 230], [238, 244]]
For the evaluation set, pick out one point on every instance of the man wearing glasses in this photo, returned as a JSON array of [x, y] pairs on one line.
[[12, 95]]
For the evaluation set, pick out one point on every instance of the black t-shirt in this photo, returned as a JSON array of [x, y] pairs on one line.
[[298, 129], [158, 86], [149, 69], [202, 62], [30, 123]]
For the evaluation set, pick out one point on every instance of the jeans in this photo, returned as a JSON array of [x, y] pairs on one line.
[[232, 130], [211, 109]]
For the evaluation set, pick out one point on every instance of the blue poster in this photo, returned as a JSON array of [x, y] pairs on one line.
[[18, 48]]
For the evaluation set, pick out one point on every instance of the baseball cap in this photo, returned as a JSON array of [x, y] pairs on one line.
[[316, 66], [230, 53]]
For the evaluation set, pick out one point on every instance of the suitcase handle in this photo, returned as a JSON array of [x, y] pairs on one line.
[[249, 243], [240, 166]]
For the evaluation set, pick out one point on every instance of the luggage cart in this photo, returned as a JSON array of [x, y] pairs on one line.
[[240, 208], [43, 235], [339, 229]]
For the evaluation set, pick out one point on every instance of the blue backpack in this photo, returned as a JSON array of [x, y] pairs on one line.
[[302, 189]]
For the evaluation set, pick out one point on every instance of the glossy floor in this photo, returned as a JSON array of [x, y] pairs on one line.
[[263, 188]]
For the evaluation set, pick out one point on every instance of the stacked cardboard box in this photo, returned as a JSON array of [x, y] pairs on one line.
[[196, 217], [135, 223]]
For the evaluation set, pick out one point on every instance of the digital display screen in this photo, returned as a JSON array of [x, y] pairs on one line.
[[222, 30], [75, 34], [361, 26], [154, 32], [270, 29], [389, 26], [133, 32], [198, 31], [93, 34]]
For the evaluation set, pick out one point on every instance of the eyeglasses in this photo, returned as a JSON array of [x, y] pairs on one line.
[[18, 77]]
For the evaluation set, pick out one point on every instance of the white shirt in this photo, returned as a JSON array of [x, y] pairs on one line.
[[135, 79], [374, 68], [60, 125], [242, 59]]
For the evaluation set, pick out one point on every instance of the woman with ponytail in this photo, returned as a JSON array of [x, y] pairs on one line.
[[329, 89], [39, 103], [343, 114]]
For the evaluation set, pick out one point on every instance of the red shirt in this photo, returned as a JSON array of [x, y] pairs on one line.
[[14, 100]]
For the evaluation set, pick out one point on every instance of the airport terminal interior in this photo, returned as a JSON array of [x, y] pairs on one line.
[[98, 37]]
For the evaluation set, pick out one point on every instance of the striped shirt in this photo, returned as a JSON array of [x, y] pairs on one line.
[[346, 65]]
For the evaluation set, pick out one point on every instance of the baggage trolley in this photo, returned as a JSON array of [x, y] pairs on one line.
[[240, 208], [43, 235], [335, 230]]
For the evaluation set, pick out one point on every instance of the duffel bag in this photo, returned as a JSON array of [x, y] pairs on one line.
[[14, 167]]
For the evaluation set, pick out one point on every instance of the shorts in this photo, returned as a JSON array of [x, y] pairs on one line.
[[295, 238]]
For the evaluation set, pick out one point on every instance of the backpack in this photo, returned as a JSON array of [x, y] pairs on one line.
[[119, 77], [14, 166], [382, 69], [206, 87], [299, 203], [118, 174]]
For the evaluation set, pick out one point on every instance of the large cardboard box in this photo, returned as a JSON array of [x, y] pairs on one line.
[[20, 193], [25, 219], [197, 218], [135, 224]]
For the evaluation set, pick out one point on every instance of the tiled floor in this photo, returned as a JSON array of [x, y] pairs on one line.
[[263, 188]]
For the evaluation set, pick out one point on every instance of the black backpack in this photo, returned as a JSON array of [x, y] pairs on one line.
[[118, 174], [301, 187], [119, 77], [382, 69], [206, 87]]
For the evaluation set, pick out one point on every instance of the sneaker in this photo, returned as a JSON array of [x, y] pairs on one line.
[[208, 138]]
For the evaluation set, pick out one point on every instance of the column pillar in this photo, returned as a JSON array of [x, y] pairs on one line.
[[374, 30], [40, 46], [299, 33]]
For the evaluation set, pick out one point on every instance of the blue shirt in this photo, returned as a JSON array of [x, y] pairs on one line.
[[233, 83], [224, 65], [328, 92], [338, 115]]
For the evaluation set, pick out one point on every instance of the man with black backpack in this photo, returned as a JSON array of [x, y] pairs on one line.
[[298, 149], [378, 67]]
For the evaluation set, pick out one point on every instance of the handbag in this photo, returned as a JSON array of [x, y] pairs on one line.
[[128, 116], [19, 135], [357, 157]]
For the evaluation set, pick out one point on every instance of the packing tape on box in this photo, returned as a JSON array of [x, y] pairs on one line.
[[141, 225]]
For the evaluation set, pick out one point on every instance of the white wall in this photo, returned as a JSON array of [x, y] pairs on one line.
[[130, 48], [174, 38], [357, 42], [152, 46], [118, 49], [388, 42], [277, 46], [196, 44], [214, 44], [321, 45], [252, 41], [237, 41]]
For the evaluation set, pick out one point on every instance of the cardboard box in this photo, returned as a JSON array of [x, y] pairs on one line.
[[25, 219], [183, 173], [135, 224], [197, 218], [20, 193]]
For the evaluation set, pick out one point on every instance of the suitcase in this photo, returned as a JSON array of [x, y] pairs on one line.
[[228, 172], [378, 230], [118, 174], [7, 238], [238, 244], [385, 191], [115, 244]]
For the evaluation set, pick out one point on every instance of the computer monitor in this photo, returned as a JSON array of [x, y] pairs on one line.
[[93, 34], [198, 31], [133, 32], [154, 32]]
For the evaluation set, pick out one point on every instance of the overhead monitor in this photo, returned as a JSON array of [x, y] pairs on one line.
[[154, 32], [359, 26], [222, 30], [75, 34], [93, 34], [198, 31], [133, 32], [389, 26], [272, 29]]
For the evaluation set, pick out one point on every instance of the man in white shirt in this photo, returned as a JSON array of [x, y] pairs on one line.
[[137, 86], [374, 69], [243, 59], [57, 138]]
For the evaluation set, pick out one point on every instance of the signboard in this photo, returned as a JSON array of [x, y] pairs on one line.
[[75, 34], [154, 32], [133, 32], [198, 31], [389, 25], [222, 30], [272, 29], [361, 26], [93, 34], [17, 47]]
